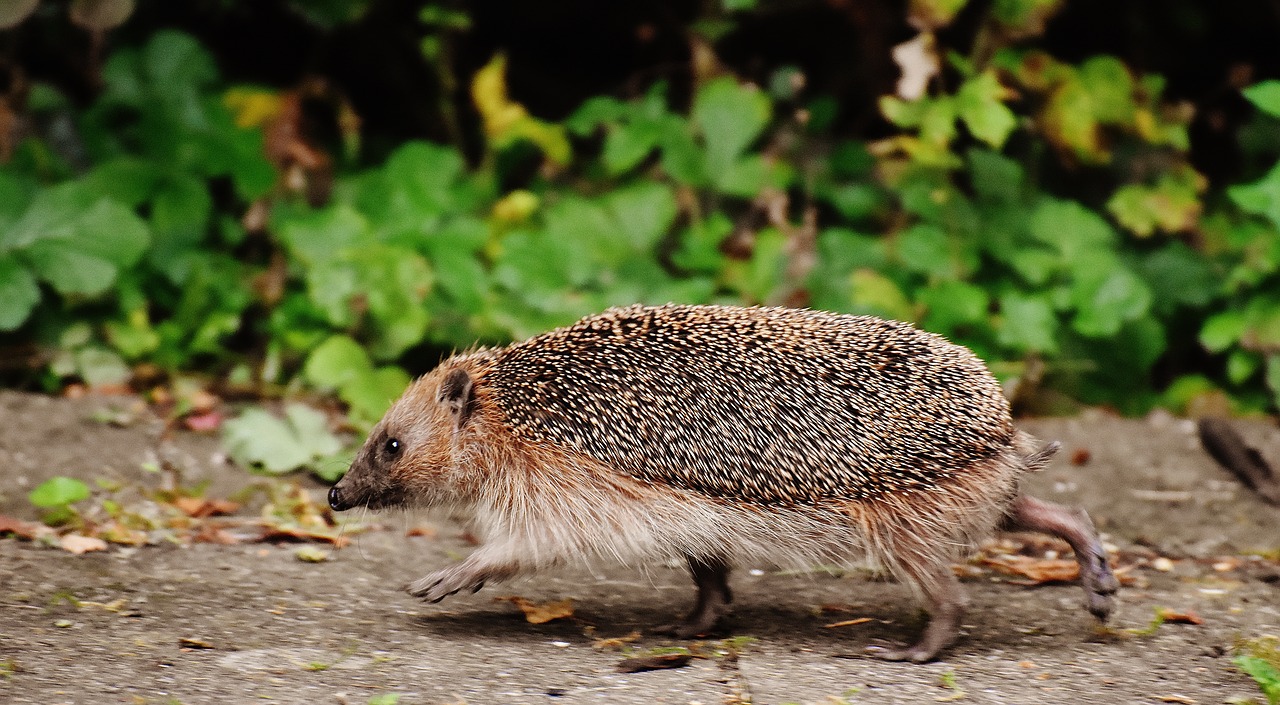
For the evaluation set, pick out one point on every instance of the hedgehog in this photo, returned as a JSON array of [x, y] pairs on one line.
[[721, 436]]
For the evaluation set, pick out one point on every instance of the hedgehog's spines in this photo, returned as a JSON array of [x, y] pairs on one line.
[[768, 405]]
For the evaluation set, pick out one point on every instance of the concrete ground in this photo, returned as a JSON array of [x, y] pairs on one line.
[[250, 623]]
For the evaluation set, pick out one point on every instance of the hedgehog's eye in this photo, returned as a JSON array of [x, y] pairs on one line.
[[391, 447]]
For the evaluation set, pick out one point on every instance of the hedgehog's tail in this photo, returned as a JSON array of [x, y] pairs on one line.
[[1034, 460]]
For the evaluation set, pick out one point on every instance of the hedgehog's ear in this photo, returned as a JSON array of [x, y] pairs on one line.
[[457, 393]]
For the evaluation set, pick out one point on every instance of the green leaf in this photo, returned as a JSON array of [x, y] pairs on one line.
[[1264, 673], [994, 176], [128, 180], [979, 104], [335, 362], [761, 275], [596, 111], [1241, 365], [1178, 276], [1266, 96], [746, 177], [1105, 299], [19, 294], [1110, 87], [730, 117], [626, 145], [372, 392], [1222, 330], [926, 249], [1078, 233], [1027, 324], [181, 210], [953, 304], [1261, 197], [856, 201], [421, 183], [77, 246], [699, 249], [58, 492], [315, 237], [644, 213], [874, 293], [98, 366], [259, 439]]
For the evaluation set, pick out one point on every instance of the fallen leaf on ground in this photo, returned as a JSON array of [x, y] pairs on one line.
[[535, 613], [1176, 617], [17, 527], [200, 507], [117, 533], [1038, 570], [311, 554], [297, 533], [615, 643], [210, 421], [847, 623], [78, 544], [188, 642], [653, 663], [1176, 699]]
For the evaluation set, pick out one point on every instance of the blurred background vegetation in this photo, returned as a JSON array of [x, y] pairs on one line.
[[272, 197]]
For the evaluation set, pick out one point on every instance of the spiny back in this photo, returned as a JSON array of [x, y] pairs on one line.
[[766, 405]]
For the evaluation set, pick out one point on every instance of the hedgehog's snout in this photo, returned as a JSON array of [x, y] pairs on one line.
[[337, 502]]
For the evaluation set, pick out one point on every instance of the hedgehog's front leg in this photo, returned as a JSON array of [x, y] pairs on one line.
[[712, 578], [470, 575]]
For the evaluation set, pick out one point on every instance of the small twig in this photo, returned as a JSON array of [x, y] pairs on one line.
[[1245, 462]]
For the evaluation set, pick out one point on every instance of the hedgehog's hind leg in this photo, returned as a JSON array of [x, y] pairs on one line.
[[946, 602], [712, 579], [1075, 527]]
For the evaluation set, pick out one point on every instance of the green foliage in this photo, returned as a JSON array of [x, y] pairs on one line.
[[1260, 659], [58, 492], [1037, 210], [55, 497], [259, 439]]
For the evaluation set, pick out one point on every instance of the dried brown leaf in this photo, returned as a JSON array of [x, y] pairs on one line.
[[535, 613], [1183, 617], [1037, 570], [79, 544], [615, 643], [18, 527], [653, 663], [847, 623]]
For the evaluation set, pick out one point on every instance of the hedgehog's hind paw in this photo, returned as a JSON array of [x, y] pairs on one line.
[[916, 653], [712, 578]]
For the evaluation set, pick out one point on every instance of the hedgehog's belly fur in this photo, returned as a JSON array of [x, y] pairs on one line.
[[546, 507]]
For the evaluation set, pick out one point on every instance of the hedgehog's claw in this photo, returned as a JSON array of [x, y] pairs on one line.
[[916, 653], [443, 583]]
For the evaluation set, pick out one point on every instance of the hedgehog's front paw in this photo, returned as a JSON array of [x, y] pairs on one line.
[[443, 583]]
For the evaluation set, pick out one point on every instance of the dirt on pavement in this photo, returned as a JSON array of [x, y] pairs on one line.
[[250, 623]]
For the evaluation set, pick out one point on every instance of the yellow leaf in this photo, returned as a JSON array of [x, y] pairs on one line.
[[489, 91], [252, 107], [506, 121]]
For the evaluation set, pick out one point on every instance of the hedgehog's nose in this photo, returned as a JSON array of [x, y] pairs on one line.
[[336, 502]]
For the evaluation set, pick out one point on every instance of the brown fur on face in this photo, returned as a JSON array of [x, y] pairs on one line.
[[410, 453]]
